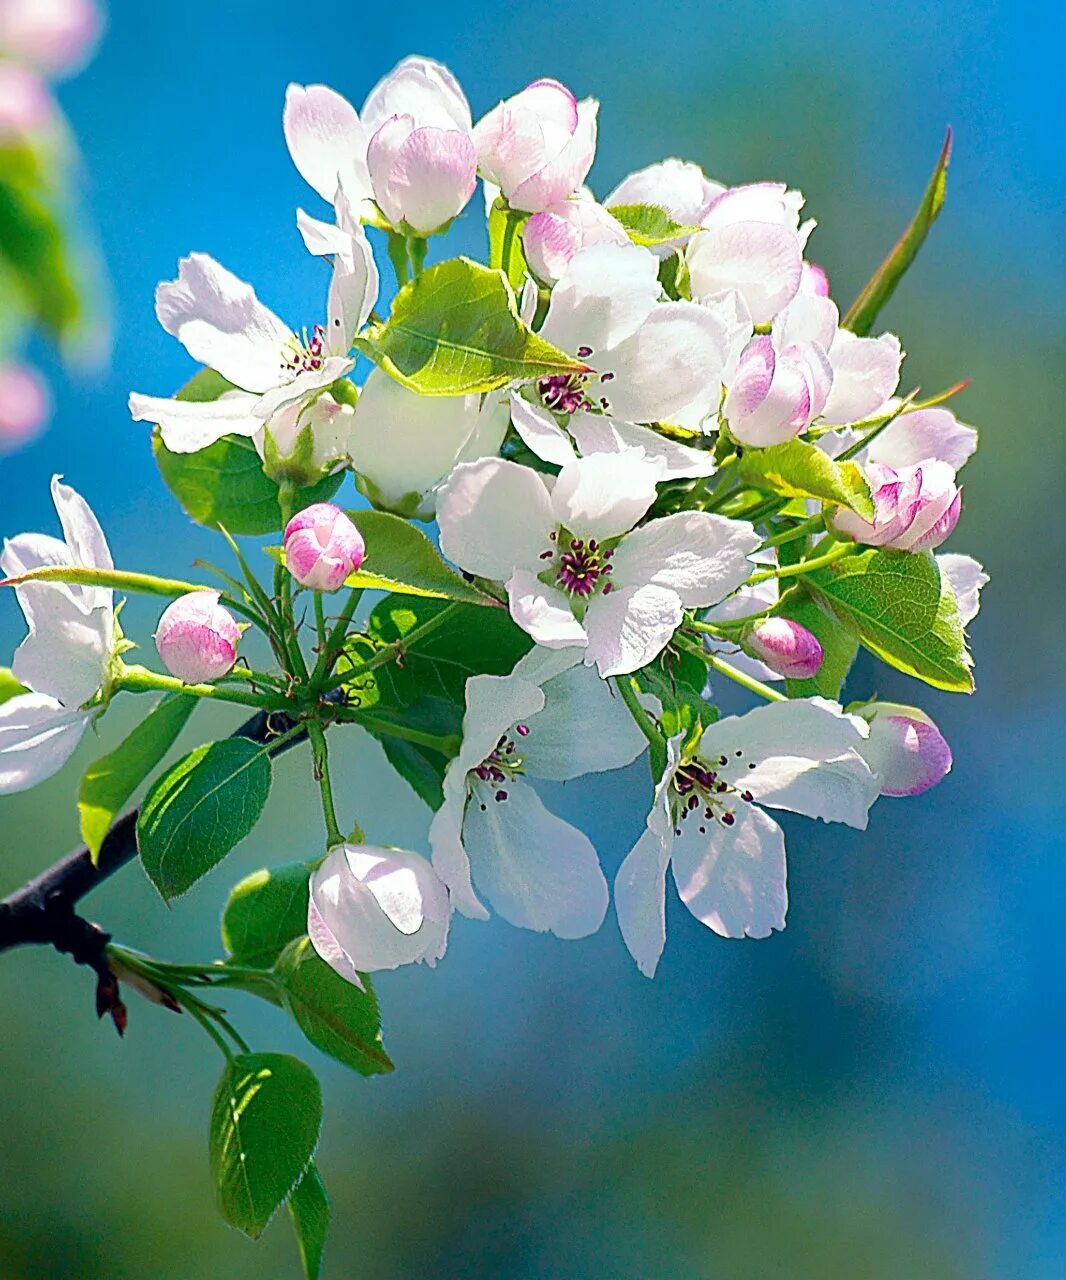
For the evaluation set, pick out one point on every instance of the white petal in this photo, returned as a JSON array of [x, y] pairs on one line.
[[539, 430], [67, 650], [926, 433], [536, 870], [808, 318], [865, 374], [629, 627], [585, 727], [596, 433], [494, 705], [604, 295], [605, 494], [805, 754], [543, 612], [37, 737], [326, 141], [701, 557], [674, 362], [762, 261], [966, 578], [303, 386], [83, 535], [220, 322], [419, 87], [446, 842], [494, 515], [732, 878], [187, 426]]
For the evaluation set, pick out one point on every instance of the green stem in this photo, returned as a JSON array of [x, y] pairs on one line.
[[118, 579], [389, 651], [417, 246], [138, 679], [726, 669], [815, 524], [627, 687], [398, 257], [805, 566], [320, 756], [510, 236], [335, 641], [447, 745]]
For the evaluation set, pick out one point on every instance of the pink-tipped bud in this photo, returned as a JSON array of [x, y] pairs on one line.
[[905, 749], [787, 648], [322, 547], [197, 638]]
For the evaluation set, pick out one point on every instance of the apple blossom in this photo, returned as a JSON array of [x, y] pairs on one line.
[[679, 187], [727, 854], [537, 146], [865, 374], [65, 661], [300, 444], [552, 237], [55, 36], [535, 870], [785, 646], [24, 405], [776, 392], [403, 445], [905, 749], [577, 573], [915, 508], [322, 547], [219, 320], [197, 638], [752, 242], [374, 908], [650, 360]]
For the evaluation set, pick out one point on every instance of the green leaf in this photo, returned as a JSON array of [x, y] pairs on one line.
[[9, 686], [264, 912], [111, 780], [839, 645], [401, 558], [225, 484], [37, 257], [310, 1213], [903, 612], [195, 813], [650, 224], [334, 1015], [801, 470], [455, 330], [500, 216], [882, 284], [265, 1122]]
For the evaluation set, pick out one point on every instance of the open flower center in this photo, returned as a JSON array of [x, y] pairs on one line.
[[564, 393], [580, 567], [700, 794], [503, 764], [305, 354]]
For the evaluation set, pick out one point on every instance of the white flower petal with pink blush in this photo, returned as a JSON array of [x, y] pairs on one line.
[[421, 88], [537, 146], [26, 104], [322, 547], [56, 36], [728, 855], [285, 438], [679, 187], [373, 908], [865, 374], [776, 393], [906, 751], [327, 141], [65, 659], [596, 433], [786, 647], [493, 830], [552, 237], [915, 508], [404, 444], [578, 574], [924, 433], [197, 638], [814, 280], [423, 176], [25, 405], [966, 579]]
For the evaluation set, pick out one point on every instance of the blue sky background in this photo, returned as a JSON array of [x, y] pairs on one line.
[[876, 1092]]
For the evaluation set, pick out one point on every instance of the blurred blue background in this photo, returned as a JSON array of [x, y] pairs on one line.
[[878, 1092]]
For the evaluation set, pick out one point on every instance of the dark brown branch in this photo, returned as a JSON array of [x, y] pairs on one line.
[[42, 911]]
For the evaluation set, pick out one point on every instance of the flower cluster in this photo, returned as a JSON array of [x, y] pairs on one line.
[[638, 456], [39, 40]]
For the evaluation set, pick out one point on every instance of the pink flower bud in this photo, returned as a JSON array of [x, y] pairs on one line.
[[776, 394], [814, 280], [24, 405], [197, 638], [552, 237], [373, 908], [52, 35], [538, 146], [915, 508], [787, 648], [905, 749], [422, 176], [26, 105], [322, 547]]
